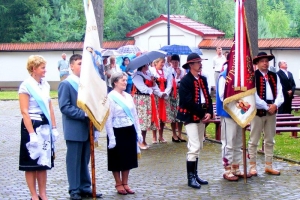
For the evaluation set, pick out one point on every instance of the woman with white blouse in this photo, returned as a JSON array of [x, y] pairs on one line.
[[123, 133], [143, 95], [38, 127], [163, 79]]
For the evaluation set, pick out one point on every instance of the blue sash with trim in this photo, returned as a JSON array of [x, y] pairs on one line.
[[73, 83], [124, 106], [40, 102]]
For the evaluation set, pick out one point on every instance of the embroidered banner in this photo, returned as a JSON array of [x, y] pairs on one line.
[[239, 95]]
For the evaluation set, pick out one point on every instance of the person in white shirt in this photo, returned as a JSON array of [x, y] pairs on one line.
[[123, 132], [268, 98], [111, 68], [218, 62], [163, 79], [144, 89]]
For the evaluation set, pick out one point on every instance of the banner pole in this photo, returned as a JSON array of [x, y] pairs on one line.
[[244, 154], [92, 148]]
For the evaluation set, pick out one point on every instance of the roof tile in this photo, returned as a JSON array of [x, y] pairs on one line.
[[59, 46], [272, 43]]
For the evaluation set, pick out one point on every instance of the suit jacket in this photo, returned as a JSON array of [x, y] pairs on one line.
[[287, 83], [75, 124], [190, 109]]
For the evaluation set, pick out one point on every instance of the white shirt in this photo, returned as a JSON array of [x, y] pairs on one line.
[[167, 75], [261, 104], [218, 62], [117, 117], [201, 93], [111, 72], [139, 83], [33, 105]]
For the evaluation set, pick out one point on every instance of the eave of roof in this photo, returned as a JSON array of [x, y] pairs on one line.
[[58, 46], [263, 44], [175, 22]]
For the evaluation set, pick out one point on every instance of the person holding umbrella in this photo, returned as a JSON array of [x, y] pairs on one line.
[[195, 108], [163, 79], [144, 89]]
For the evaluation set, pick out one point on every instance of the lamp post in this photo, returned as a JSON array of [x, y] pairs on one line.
[[168, 26]]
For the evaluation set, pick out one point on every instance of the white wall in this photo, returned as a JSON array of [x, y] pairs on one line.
[[157, 36], [13, 65]]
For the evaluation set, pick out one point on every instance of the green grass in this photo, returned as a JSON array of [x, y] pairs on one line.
[[285, 146], [13, 95]]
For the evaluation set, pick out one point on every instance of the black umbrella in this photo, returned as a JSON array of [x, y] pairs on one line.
[[144, 59]]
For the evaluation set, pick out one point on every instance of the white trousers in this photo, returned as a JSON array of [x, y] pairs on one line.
[[266, 124], [195, 133], [231, 138]]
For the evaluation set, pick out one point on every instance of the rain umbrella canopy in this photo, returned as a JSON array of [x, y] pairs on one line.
[[144, 59], [129, 49], [196, 50], [110, 52], [177, 49]]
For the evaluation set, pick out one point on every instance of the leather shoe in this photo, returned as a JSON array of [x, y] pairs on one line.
[[75, 196], [90, 194]]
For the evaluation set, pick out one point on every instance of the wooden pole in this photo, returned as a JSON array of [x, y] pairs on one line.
[[92, 159], [244, 155]]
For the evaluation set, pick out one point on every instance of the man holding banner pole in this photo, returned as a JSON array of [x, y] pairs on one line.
[[268, 98]]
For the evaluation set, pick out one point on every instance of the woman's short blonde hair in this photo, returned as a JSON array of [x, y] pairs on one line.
[[157, 60], [34, 61]]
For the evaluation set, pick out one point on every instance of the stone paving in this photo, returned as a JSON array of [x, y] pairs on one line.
[[161, 173]]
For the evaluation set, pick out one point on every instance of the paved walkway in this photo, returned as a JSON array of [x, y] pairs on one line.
[[161, 173]]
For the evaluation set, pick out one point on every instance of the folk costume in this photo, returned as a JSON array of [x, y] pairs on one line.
[[231, 135], [268, 91], [163, 79], [40, 157], [143, 95], [194, 102]]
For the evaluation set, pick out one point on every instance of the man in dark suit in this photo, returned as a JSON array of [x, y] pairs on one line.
[[288, 87], [76, 133]]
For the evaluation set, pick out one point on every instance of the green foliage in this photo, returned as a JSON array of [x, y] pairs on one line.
[[47, 28], [64, 20]]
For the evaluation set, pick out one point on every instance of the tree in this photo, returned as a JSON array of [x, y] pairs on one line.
[[263, 28], [15, 18], [99, 14]]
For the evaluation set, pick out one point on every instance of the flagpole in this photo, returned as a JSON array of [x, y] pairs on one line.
[[244, 154], [92, 148]]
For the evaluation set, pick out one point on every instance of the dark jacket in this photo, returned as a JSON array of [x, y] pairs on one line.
[[190, 108]]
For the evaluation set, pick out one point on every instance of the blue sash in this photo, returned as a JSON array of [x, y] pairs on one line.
[[73, 83], [124, 106], [39, 101]]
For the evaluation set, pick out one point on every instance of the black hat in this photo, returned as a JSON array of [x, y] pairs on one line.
[[175, 57], [193, 57], [261, 55]]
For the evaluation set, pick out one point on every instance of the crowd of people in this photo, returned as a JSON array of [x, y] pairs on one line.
[[145, 99]]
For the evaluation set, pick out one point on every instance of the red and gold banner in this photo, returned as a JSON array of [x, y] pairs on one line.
[[239, 95]]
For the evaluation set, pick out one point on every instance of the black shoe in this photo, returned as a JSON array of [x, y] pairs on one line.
[[90, 194], [190, 165], [177, 141], [75, 196], [198, 179], [181, 140]]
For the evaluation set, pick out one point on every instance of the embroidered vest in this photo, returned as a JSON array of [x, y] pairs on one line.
[[260, 83]]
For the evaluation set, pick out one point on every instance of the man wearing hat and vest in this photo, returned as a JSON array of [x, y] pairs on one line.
[[195, 108], [268, 98]]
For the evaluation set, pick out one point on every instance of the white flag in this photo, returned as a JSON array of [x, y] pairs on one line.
[[92, 92]]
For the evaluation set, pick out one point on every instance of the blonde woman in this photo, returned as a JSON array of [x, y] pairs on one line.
[[163, 79], [38, 128]]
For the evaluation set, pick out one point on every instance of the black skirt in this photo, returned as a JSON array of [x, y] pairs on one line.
[[124, 155], [25, 162]]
